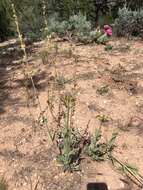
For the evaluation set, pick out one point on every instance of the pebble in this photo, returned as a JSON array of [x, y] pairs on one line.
[[122, 186], [136, 123], [8, 68]]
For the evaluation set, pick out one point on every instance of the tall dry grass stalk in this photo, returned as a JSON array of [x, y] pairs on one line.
[[25, 67], [25, 58], [22, 44], [44, 16], [48, 42]]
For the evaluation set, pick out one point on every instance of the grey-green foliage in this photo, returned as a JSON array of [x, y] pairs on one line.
[[134, 5], [81, 27], [129, 22], [57, 26], [103, 39], [32, 22], [69, 146], [77, 25], [69, 138], [99, 150]]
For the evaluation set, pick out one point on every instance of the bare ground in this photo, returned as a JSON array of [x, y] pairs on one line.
[[27, 159]]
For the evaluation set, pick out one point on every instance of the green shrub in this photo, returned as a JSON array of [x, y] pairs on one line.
[[129, 23], [108, 47], [99, 150], [80, 27], [69, 138], [77, 25], [56, 26], [91, 36]]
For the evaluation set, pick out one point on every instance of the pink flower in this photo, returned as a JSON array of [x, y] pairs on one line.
[[108, 30], [106, 27]]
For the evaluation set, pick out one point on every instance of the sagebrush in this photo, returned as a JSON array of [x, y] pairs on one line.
[[129, 23]]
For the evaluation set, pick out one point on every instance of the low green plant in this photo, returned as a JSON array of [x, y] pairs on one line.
[[108, 47], [126, 166], [42, 120], [69, 141], [103, 118], [3, 184], [95, 34], [69, 138], [103, 39], [89, 37], [99, 150], [103, 89], [60, 81], [128, 169]]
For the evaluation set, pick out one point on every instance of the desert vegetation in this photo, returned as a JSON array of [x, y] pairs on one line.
[[71, 104]]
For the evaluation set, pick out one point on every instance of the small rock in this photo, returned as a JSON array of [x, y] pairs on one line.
[[135, 123]]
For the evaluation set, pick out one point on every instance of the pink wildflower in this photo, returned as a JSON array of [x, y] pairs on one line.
[[108, 30], [106, 27]]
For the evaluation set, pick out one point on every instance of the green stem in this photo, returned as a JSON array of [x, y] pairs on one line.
[[127, 169]]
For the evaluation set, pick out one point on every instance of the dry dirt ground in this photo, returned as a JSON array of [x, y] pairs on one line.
[[109, 83]]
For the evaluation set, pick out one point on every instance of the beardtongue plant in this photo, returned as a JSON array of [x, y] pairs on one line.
[[108, 30], [105, 37]]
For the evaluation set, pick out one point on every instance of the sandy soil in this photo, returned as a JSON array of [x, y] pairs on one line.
[[27, 159]]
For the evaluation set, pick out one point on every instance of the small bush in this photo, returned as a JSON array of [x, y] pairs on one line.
[[129, 23], [88, 37], [102, 90], [69, 138], [70, 149], [78, 26], [108, 47], [99, 150], [55, 26], [60, 81]]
